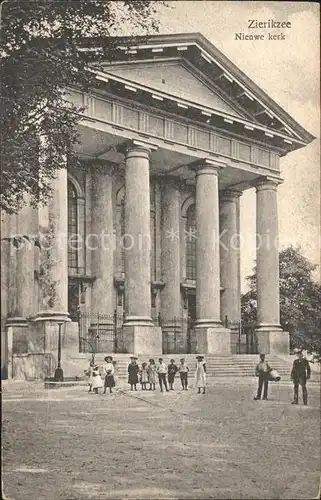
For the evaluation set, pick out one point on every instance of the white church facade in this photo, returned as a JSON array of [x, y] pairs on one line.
[[139, 245]]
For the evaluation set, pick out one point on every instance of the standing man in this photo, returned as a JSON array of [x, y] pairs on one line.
[[262, 371], [162, 372], [183, 372], [172, 370], [300, 373]]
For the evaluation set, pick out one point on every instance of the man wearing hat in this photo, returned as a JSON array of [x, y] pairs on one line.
[[300, 373], [183, 373], [133, 370], [162, 372]]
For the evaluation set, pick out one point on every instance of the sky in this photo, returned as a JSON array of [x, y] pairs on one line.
[[288, 71]]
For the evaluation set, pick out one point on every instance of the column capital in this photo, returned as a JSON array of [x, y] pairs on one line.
[[267, 183], [104, 167], [207, 166], [136, 148], [230, 195], [171, 181]]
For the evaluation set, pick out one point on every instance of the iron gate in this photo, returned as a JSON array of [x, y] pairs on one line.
[[178, 336], [99, 332], [243, 337]]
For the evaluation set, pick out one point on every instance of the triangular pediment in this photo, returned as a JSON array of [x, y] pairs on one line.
[[173, 78], [186, 75]]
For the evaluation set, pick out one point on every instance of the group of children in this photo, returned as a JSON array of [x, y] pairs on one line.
[[95, 381], [147, 375]]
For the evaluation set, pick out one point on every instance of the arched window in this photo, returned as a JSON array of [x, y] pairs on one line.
[[190, 238], [76, 247], [72, 227]]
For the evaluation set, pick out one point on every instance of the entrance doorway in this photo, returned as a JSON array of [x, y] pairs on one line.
[[191, 307], [191, 320]]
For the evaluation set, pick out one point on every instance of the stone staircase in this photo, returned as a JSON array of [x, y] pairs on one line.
[[238, 365], [247, 363]]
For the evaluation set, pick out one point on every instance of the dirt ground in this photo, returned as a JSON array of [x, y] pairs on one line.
[[67, 444]]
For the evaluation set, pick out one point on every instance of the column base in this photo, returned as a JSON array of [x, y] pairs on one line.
[[17, 321], [213, 341], [208, 323], [57, 316], [138, 321], [272, 340], [141, 339]]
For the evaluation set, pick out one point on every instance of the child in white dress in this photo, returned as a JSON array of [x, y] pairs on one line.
[[97, 381], [144, 376], [151, 368]]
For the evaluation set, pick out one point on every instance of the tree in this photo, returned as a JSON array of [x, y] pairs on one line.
[[47, 46], [300, 298]]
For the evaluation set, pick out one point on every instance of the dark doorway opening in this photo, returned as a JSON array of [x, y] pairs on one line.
[[191, 307], [191, 320]]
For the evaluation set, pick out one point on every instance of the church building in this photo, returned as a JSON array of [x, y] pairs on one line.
[[138, 250]]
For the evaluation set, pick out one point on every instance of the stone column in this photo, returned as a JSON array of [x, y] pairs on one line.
[[25, 293], [102, 240], [26, 225], [58, 230], [211, 336], [52, 273], [139, 332], [229, 257], [11, 269], [271, 338], [170, 244]]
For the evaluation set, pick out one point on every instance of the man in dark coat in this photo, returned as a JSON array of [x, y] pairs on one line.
[[300, 373], [171, 372]]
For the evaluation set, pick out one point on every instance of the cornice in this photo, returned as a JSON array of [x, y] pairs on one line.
[[267, 183], [207, 113], [183, 119]]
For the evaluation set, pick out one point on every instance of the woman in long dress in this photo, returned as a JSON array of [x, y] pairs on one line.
[[200, 374]]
